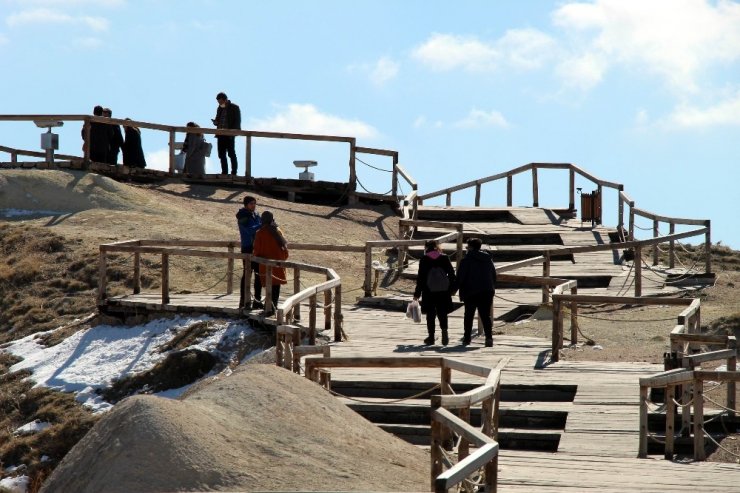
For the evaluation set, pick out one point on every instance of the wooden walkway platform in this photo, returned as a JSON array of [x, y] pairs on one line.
[[599, 444]]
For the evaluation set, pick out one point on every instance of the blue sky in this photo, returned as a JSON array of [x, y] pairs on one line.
[[644, 93]]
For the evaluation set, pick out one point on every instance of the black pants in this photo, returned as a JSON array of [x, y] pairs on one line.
[[481, 302], [226, 146], [257, 284], [275, 298], [438, 311]]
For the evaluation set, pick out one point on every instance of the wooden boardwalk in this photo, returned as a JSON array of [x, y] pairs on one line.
[[598, 446]]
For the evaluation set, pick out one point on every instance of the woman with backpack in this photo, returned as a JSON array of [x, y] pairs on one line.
[[435, 285]]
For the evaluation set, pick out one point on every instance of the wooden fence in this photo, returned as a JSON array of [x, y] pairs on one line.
[[444, 421], [398, 172], [573, 170]]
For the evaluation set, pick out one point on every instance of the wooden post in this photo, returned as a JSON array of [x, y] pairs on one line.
[[546, 273], [670, 418], [394, 178], [137, 272], [230, 272], [732, 385], [574, 317], [172, 151], [572, 190], [296, 289], [643, 446], [268, 289], [535, 191], [102, 275], [278, 348], [448, 201], [165, 278], [671, 246], [327, 310], [338, 318], [708, 248], [86, 146], [463, 449], [656, 233], [698, 401], [248, 158], [352, 171], [555, 355], [369, 269], [632, 221], [436, 445], [509, 190], [638, 270], [477, 194], [312, 320], [620, 215]]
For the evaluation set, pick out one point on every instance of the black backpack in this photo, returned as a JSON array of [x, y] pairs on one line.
[[437, 280]]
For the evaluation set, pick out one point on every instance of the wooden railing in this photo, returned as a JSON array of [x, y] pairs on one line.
[[444, 422], [287, 311], [623, 199], [397, 172]]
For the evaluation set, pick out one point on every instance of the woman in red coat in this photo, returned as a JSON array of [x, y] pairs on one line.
[[270, 243]]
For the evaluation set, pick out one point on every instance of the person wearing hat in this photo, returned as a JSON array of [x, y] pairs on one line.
[[228, 117], [270, 243], [249, 223]]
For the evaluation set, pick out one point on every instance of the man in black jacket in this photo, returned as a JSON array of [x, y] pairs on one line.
[[228, 116], [477, 283]]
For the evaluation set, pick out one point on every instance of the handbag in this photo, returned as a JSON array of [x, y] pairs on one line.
[[413, 311]]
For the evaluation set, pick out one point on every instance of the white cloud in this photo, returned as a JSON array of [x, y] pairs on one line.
[[49, 16], [161, 160], [306, 118], [380, 72], [582, 72], [420, 121], [675, 39], [726, 112], [479, 118], [448, 52], [385, 69], [525, 49]]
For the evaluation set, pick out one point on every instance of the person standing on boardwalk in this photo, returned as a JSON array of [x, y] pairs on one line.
[[435, 284], [115, 139], [228, 117], [270, 243], [477, 281], [99, 144], [195, 148], [133, 154], [249, 222]]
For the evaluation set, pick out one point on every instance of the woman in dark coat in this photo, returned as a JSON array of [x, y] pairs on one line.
[[195, 148], [133, 154], [435, 284]]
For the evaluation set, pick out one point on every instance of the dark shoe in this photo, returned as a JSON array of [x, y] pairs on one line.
[[489, 342], [429, 341], [466, 341], [445, 339], [256, 305]]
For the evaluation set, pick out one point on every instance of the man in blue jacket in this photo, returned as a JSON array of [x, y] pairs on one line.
[[477, 283], [249, 222]]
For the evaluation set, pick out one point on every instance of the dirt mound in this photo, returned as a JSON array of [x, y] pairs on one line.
[[261, 428]]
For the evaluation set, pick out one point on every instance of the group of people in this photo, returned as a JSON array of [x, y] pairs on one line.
[[437, 282], [261, 237], [107, 141]]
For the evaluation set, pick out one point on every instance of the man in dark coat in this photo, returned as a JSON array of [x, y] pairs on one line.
[[133, 154], [115, 139], [477, 283], [99, 145], [228, 116]]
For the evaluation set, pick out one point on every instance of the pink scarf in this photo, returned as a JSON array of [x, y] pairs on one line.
[[434, 254]]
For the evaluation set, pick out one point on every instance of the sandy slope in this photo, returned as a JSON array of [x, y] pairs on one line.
[[261, 428]]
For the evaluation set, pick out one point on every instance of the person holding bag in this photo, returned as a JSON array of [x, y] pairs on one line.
[[435, 284]]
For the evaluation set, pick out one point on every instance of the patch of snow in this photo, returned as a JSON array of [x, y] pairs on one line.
[[90, 360], [18, 484], [596, 347], [34, 426], [23, 212]]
